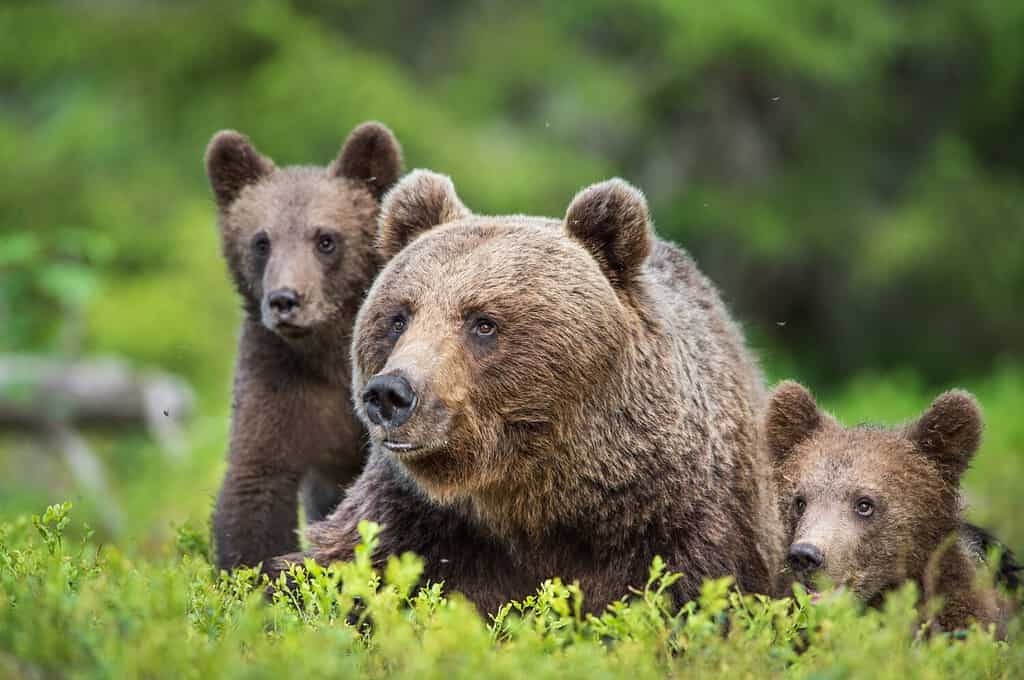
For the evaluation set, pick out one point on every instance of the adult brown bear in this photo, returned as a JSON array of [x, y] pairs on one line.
[[552, 398]]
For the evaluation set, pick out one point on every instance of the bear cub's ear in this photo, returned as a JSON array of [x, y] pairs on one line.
[[232, 163], [370, 154], [792, 416], [949, 432], [611, 220], [422, 200]]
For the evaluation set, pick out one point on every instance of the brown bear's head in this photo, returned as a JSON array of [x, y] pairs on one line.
[[298, 239], [485, 338], [866, 507]]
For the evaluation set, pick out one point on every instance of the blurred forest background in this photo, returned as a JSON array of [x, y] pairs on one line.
[[850, 174]]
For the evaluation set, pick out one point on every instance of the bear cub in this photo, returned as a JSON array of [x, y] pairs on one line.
[[298, 241], [868, 507], [553, 397]]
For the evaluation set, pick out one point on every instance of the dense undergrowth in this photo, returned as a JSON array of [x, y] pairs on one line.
[[76, 609]]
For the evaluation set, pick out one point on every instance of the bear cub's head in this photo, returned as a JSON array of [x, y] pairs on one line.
[[299, 239], [483, 342], [867, 507]]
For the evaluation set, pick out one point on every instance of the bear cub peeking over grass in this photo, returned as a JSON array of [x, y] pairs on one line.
[[868, 508], [553, 398], [299, 244]]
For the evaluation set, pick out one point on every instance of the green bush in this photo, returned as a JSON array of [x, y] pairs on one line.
[[74, 609]]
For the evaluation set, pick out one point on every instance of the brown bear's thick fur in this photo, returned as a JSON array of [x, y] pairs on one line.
[[869, 507], [552, 398], [299, 244]]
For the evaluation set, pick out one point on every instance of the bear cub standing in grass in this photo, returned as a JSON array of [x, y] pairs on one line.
[[869, 508], [553, 398], [299, 244]]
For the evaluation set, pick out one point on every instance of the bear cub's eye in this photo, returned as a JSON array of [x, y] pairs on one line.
[[799, 505], [865, 507], [484, 327], [398, 325], [326, 244], [261, 244]]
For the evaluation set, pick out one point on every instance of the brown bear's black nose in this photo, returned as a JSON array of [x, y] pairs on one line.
[[283, 301], [389, 400], [805, 557]]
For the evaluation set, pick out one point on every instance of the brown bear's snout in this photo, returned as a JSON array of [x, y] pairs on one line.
[[284, 303], [805, 557], [389, 400]]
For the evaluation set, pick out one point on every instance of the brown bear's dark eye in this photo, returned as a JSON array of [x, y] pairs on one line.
[[261, 244], [326, 244], [799, 505], [485, 328], [397, 326], [865, 507]]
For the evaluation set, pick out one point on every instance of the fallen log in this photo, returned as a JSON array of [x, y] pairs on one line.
[[39, 394], [52, 400]]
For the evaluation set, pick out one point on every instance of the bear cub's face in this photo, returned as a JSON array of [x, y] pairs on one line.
[[482, 339], [867, 507], [298, 240]]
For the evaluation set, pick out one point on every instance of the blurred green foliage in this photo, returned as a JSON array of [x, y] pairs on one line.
[[850, 174], [68, 608]]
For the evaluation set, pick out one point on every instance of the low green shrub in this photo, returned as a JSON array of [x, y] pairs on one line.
[[77, 609]]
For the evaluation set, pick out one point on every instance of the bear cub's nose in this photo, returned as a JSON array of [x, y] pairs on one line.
[[283, 301], [389, 400], [805, 557]]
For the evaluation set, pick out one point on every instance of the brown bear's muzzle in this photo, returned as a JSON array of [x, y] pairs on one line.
[[410, 403], [805, 558], [405, 419], [286, 313], [389, 401]]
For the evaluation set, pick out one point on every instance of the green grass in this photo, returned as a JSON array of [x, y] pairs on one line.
[[70, 608], [143, 600]]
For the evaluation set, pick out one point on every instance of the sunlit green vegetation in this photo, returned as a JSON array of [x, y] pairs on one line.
[[69, 608]]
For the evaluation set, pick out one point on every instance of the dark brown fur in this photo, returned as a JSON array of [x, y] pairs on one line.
[[292, 418], [610, 418], [908, 476]]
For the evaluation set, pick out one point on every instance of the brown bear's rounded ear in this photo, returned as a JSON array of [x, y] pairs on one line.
[[232, 163], [792, 416], [949, 432], [370, 154], [611, 220], [421, 200]]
